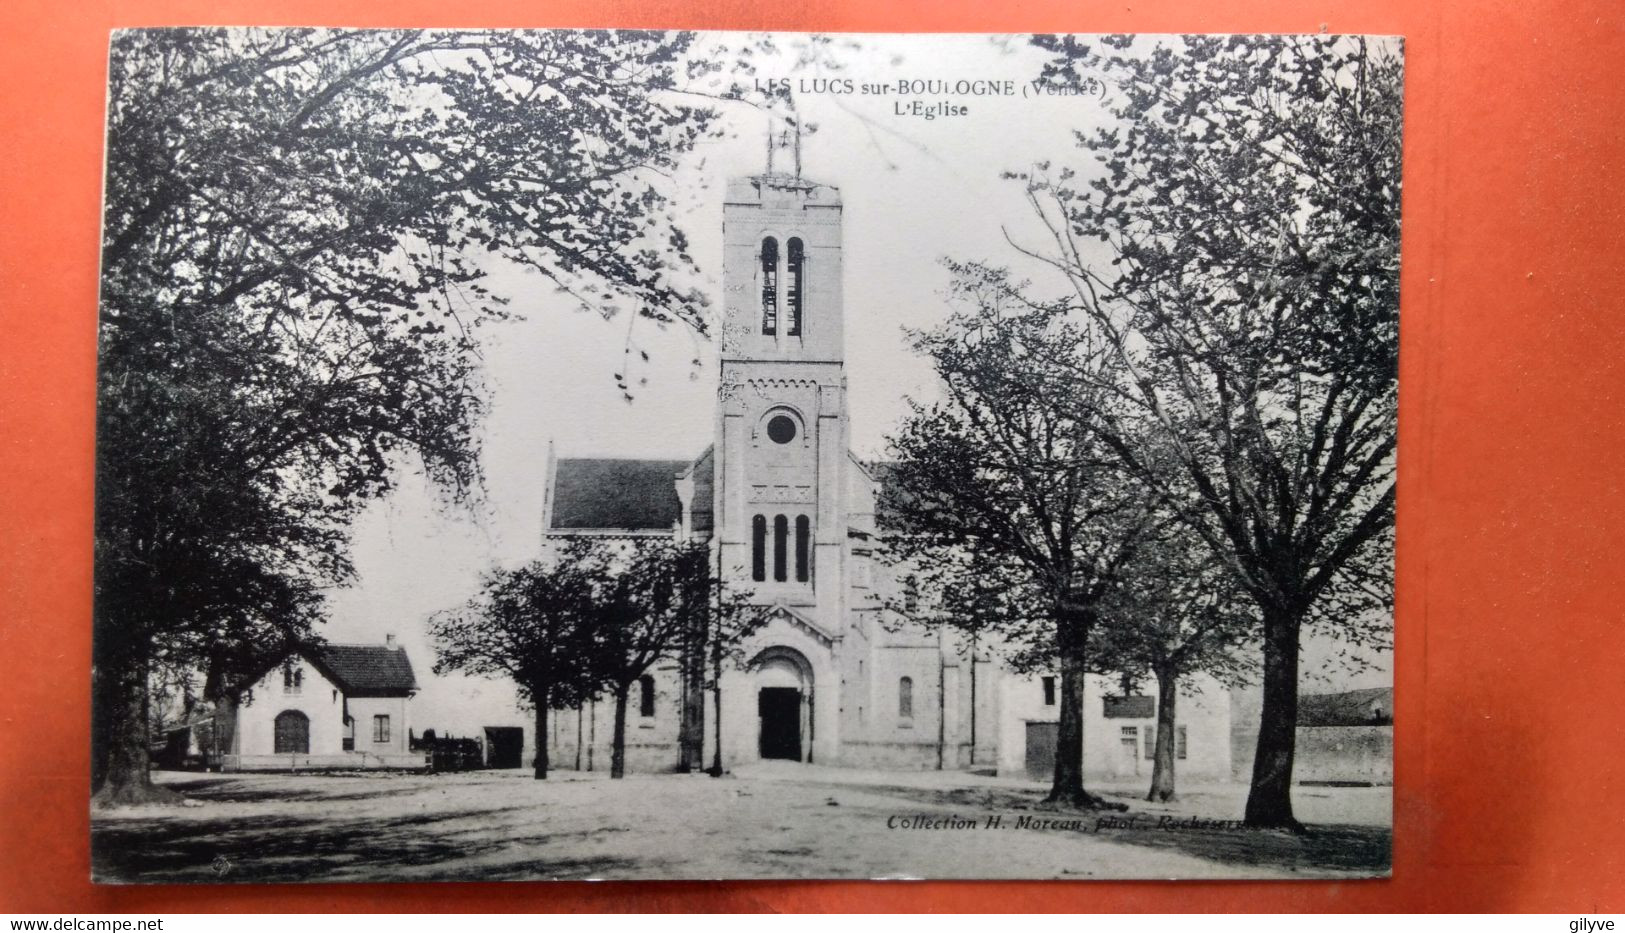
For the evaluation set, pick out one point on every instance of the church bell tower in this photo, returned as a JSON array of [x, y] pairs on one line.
[[781, 444]]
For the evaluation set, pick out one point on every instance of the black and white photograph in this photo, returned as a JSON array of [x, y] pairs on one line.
[[640, 455]]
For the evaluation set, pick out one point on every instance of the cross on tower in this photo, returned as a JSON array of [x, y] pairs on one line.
[[787, 138]]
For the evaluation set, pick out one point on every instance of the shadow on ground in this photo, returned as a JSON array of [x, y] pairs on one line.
[[280, 848], [1365, 850], [229, 790], [259, 829]]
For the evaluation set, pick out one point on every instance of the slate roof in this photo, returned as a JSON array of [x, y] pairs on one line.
[[358, 670], [1351, 708], [884, 473], [367, 670], [631, 495]]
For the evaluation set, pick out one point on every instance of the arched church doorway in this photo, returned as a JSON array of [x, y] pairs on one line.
[[784, 704]]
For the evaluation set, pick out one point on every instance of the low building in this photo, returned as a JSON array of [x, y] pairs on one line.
[[1344, 738], [337, 706], [1119, 732]]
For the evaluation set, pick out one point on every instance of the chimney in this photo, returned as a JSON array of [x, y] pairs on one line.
[[389, 641]]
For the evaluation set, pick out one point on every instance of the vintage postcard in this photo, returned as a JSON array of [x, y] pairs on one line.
[[662, 455]]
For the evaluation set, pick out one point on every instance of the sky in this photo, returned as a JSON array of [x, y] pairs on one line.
[[914, 190]]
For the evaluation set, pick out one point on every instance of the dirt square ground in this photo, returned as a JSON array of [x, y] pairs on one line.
[[773, 820]]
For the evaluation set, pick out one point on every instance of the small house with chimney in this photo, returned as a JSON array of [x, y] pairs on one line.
[[332, 706]]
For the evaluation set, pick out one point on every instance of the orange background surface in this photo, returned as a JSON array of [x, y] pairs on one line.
[[1510, 738]]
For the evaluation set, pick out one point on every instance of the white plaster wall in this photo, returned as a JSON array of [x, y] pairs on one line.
[[1203, 710], [319, 699], [651, 741], [362, 709], [810, 212], [741, 725]]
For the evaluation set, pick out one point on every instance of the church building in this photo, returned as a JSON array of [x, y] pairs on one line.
[[839, 674]]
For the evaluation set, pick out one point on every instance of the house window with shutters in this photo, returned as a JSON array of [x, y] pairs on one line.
[[1129, 736], [293, 679], [1151, 742]]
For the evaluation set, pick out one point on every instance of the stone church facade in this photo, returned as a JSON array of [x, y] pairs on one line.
[[839, 674]]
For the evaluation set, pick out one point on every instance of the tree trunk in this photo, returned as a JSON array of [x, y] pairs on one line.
[[1162, 771], [617, 754], [121, 708], [1068, 782], [693, 753], [541, 736], [581, 717], [942, 708], [973, 698], [691, 731], [716, 711], [1269, 803], [1072, 635]]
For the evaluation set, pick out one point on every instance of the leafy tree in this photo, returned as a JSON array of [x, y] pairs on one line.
[[1177, 613], [656, 602], [535, 625], [296, 226], [1236, 242], [1013, 470]]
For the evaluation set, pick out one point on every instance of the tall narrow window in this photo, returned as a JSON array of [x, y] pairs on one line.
[[1049, 690], [803, 532], [380, 730], [905, 698], [293, 679], [646, 696], [770, 286], [781, 547], [1180, 748], [796, 287], [758, 548]]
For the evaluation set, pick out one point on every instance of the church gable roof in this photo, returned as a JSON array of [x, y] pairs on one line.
[[702, 508], [887, 490], [603, 493]]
